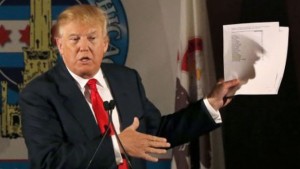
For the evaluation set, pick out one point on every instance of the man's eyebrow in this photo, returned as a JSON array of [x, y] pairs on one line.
[[88, 34], [92, 33], [73, 34]]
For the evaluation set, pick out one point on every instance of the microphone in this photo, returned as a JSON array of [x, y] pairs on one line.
[[106, 105], [109, 108]]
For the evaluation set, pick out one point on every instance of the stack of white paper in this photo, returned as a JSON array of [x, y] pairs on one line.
[[256, 54]]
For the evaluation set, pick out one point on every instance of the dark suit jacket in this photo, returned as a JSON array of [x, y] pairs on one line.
[[61, 133]]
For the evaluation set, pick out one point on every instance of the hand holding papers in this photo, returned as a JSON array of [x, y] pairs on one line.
[[255, 53]]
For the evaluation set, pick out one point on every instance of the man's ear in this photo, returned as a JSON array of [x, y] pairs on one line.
[[58, 41]]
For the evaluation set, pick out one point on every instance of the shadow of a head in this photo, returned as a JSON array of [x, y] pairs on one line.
[[252, 53]]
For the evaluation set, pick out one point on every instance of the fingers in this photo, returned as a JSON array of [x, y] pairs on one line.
[[155, 143], [142, 145], [155, 139], [225, 87], [227, 100], [220, 81], [150, 153], [230, 89], [232, 83], [148, 157], [158, 144], [135, 124], [155, 150], [218, 97]]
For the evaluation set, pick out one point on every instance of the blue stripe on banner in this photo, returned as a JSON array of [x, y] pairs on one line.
[[9, 12], [11, 60], [14, 12], [56, 10], [162, 164], [13, 97], [14, 165]]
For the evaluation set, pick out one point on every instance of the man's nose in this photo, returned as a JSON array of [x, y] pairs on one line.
[[83, 44]]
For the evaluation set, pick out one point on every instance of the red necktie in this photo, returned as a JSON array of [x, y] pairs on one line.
[[101, 114], [98, 107]]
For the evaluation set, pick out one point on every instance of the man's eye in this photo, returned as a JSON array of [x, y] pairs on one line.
[[75, 39], [91, 38]]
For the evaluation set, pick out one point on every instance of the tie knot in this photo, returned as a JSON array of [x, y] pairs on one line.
[[92, 84]]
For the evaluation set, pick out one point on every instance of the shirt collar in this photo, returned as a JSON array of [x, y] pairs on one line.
[[82, 82]]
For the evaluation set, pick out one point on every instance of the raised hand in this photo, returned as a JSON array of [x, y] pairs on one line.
[[222, 93]]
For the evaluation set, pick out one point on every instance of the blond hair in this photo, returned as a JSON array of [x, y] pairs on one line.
[[85, 14]]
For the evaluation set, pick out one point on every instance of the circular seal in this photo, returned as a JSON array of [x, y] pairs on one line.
[[117, 30]]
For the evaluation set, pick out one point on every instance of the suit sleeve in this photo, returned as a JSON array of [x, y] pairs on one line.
[[179, 127], [186, 124]]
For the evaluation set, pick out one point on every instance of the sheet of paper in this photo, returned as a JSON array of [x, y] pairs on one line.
[[256, 54], [284, 34]]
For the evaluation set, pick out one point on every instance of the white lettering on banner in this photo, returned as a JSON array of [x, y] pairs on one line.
[[113, 50], [114, 24]]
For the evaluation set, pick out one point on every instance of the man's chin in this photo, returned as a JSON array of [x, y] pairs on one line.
[[87, 73]]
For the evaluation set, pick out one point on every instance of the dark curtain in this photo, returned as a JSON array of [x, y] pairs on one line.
[[261, 131]]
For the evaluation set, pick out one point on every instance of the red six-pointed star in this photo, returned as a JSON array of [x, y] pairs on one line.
[[4, 35], [25, 33]]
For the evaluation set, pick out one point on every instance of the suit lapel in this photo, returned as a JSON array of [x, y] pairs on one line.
[[119, 93], [75, 102]]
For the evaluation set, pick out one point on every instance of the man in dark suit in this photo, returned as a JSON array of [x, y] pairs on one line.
[[58, 119]]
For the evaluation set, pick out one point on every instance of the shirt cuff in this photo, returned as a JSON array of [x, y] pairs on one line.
[[117, 151], [214, 114]]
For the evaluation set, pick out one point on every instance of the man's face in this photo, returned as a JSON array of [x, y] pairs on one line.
[[82, 47]]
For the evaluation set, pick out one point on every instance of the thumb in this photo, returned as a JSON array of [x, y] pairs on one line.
[[135, 124]]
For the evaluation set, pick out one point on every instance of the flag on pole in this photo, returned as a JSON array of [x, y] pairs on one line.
[[195, 78]]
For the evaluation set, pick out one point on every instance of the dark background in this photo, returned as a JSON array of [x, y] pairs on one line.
[[261, 131]]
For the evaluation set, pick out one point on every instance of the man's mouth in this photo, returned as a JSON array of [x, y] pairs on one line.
[[84, 59]]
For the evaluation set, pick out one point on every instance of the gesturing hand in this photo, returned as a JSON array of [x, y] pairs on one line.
[[141, 145], [219, 95]]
